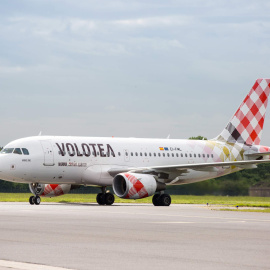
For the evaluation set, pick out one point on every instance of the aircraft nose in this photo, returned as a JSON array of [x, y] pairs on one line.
[[3, 166]]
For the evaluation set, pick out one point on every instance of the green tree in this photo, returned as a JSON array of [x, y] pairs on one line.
[[197, 138]]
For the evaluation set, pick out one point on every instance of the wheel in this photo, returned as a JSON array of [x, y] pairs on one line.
[[31, 200], [100, 199], [165, 200], [155, 200], [109, 198], [37, 200]]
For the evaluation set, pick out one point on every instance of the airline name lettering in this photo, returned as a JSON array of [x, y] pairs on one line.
[[85, 149]]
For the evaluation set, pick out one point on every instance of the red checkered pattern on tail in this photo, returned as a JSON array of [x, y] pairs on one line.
[[137, 187], [247, 124]]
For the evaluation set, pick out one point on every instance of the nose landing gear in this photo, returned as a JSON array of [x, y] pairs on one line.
[[105, 198], [34, 200]]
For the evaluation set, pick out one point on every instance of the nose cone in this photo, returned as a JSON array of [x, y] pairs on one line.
[[5, 167], [2, 162]]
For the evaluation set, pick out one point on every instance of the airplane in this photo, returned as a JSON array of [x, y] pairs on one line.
[[138, 168]]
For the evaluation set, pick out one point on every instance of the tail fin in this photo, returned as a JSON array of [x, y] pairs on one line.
[[247, 123]]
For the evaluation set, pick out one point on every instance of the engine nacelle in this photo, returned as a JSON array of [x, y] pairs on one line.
[[135, 186], [50, 190]]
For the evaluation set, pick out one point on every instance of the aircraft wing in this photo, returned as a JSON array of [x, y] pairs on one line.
[[246, 164]]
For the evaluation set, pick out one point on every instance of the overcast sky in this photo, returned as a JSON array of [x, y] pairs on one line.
[[129, 68]]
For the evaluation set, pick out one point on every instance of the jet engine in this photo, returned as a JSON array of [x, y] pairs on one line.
[[50, 190], [136, 186]]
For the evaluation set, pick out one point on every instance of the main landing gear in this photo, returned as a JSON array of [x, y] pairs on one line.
[[161, 199], [34, 200], [105, 198]]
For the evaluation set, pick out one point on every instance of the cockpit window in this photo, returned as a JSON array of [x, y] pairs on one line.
[[7, 150], [17, 151], [25, 151]]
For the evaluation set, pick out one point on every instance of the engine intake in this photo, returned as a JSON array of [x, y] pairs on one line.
[[136, 186]]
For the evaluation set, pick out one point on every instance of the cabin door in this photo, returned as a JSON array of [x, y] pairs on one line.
[[48, 153]]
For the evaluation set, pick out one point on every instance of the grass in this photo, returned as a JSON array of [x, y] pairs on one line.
[[176, 199]]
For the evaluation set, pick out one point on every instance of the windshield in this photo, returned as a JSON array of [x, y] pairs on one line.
[[17, 151], [7, 150], [25, 151]]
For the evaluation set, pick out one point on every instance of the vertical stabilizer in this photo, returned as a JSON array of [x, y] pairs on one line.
[[247, 123]]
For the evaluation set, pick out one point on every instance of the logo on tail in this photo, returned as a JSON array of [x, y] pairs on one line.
[[247, 123]]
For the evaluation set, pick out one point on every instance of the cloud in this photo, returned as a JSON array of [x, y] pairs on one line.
[[174, 67], [11, 70], [155, 21]]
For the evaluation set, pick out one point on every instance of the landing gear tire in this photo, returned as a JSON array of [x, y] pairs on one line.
[[100, 199], [109, 198], [165, 200], [155, 200], [161, 200], [105, 198], [37, 200], [31, 200]]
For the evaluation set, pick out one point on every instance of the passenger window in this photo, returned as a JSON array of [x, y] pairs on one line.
[[203, 155], [136, 154], [194, 155], [141, 154], [172, 155], [190, 155], [182, 155], [163, 154], [17, 151], [131, 154], [119, 154], [208, 155], [212, 156], [168, 154], [176, 154], [145, 154], [126, 153], [150, 154], [25, 151], [186, 155], [199, 155], [154, 154], [159, 154]]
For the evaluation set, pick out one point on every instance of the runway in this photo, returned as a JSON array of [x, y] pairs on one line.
[[129, 236]]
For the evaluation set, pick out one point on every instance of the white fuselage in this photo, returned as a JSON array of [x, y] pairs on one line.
[[87, 160]]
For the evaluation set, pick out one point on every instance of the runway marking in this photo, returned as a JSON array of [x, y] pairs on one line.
[[194, 222], [186, 216], [172, 222], [28, 266]]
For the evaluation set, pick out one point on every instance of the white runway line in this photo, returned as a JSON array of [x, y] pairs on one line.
[[28, 266]]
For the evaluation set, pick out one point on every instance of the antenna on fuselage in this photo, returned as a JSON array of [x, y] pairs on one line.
[[168, 137], [40, 133]]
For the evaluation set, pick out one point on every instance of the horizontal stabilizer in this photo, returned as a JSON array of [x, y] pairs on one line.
[[257, 154]]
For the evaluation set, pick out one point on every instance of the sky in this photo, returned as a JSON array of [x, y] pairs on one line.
[[129, 68]]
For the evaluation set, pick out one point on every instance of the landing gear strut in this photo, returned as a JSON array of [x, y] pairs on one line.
[[161, 200], [105, 198], [34, 200]]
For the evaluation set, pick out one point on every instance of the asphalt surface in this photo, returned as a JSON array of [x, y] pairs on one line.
[[128, 236]]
